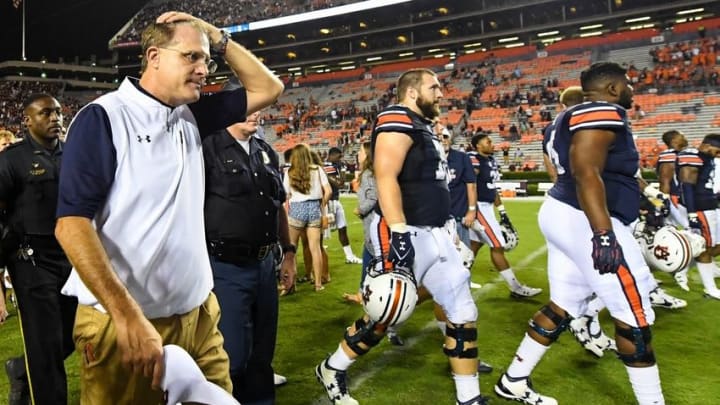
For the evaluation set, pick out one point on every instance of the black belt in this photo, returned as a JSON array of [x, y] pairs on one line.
[[232, 251]]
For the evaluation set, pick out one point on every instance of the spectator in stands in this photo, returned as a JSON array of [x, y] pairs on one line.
[[518, 157], [506, 153], [638, 112], [116, 184]]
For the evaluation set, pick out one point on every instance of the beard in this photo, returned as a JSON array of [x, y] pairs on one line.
[[626, 99], [429, 109]]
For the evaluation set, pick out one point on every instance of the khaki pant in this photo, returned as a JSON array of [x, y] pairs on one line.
[[103, 378]]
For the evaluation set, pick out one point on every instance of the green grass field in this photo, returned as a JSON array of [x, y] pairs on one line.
[[311, 325]]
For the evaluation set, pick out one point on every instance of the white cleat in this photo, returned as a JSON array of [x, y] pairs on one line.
[[335, 384], [521, 390], [681, 278], [353, 260], [595, 343], [659, 298], [712, 294], [524, 292]]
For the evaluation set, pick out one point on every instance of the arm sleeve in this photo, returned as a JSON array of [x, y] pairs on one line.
[[220, 110], [88, 164]]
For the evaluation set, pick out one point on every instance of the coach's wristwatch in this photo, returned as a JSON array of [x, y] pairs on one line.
[[221, 46]]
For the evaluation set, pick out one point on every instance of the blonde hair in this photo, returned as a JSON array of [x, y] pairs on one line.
[[368, 163], [300, 164], [5, 134], [160, 35], [571, 96]]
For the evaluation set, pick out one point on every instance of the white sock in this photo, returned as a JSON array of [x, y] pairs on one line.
[[443, 327], [706, 271], [645, 382], [528, 355], [466, 387], [348, 252], [510, 279], [340, 360]]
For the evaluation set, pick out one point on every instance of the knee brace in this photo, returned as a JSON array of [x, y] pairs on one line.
[[365, 333], [640, 337], [561, 323], [461, 334]]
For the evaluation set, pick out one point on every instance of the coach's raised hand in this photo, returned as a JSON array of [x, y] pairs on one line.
[[212, 31]]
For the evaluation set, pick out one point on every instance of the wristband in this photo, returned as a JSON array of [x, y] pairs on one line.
[[471, 208], [221, 46], [400, 227], [500, 207]]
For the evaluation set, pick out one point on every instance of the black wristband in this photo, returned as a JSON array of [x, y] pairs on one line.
[[289, 248]]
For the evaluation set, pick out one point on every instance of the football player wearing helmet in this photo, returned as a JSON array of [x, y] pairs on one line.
[[408, 237], [490, 231], [591, 249], [696, 173]]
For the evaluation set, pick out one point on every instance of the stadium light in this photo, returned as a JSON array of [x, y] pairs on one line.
[[404, 54], [691, 11], [373, 58], [469, 51], [293, 69], [548, 33], [590, 27], [312, 15], [474, 44], [515, 45], [509, 39], [348, 67], [347, 62], [317, 66], [433, 50], [591, 34], [637, 19], [641, 26], [553, 39]]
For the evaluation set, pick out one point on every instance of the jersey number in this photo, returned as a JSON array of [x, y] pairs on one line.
[[552, 153]]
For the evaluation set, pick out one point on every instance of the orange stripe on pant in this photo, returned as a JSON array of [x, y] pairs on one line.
[[488, 230], [384, 237], [705, 229], [629, 287]]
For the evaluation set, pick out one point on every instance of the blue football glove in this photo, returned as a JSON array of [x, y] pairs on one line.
[[505, 220], [695, 224], [607, 254], [402, 252]]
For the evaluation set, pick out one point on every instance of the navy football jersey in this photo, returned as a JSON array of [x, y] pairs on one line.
[[704, 194], [460, 173], [669, 156], [333, 170], [487, 171], [423, 179], [621, 188]]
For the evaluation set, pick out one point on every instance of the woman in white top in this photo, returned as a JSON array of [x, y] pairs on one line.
[[309, 191]]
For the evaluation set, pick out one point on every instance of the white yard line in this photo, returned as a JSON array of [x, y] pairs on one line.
[[390, 356]]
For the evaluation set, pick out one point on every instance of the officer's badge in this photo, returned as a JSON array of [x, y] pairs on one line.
[[36, 169], [266, 158]]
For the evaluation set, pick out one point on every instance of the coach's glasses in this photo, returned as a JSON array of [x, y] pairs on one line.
[[194, 57]]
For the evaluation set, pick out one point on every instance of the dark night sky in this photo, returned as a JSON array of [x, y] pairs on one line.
[[63, 27]]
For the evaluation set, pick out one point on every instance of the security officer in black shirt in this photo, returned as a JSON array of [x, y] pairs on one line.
[[38, 267], [244, 219]]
